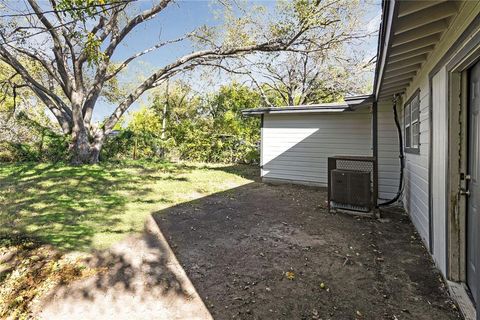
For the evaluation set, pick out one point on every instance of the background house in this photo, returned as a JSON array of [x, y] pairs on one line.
[[297, 141]]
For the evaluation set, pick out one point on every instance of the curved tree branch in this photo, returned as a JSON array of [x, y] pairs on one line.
[[60, 57]]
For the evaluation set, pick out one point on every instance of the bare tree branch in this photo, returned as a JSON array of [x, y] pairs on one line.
[[139, 54], [34, 84], [100, 76], [60, 58], [269, 46]]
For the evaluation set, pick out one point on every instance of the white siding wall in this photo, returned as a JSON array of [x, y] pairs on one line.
[[296, 147], [388, 153]]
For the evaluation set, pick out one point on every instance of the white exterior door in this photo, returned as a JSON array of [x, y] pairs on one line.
[[439, 168], [473, 202]]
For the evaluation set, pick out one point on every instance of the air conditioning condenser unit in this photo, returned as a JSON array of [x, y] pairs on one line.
[[351, 190]]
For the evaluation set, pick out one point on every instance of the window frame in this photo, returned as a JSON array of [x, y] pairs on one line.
[[413, 122]]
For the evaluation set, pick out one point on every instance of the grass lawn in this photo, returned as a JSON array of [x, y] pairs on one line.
[[90, 207], [53, 217]]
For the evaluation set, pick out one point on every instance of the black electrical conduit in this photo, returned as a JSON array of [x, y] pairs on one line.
[[401, 156]]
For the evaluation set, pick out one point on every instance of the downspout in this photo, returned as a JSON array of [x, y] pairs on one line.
[[375, 152], [401, 156], [261, 145]]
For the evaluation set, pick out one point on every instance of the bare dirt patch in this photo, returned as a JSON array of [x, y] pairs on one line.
[[274, 252]]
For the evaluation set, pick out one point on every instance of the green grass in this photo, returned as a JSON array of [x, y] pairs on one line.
[[91, 207]]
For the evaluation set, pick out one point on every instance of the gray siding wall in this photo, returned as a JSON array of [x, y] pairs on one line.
[[416, 199], [296, 147], [416, 171], [388, 153]]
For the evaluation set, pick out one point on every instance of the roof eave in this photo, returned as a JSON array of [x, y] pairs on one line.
[[351, 103], [389, 10], [292, 110], [356, 102]]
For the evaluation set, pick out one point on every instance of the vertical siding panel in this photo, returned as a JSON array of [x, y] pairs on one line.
[[439, 167]]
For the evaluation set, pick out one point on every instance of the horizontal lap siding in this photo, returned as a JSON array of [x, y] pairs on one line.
[[388, 152], [296, 147], [416, 171]]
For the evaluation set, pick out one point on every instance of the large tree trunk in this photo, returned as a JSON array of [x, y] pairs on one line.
[[84, 152], [83, 149], [96, 147]]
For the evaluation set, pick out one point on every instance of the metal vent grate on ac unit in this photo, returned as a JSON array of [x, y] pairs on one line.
[[350, 189]]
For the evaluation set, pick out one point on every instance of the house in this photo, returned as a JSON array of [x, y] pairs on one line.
[[296, 141], [428, 67]]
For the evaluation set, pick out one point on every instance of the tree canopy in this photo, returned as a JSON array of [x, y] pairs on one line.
[[61, 53], [73, 43]]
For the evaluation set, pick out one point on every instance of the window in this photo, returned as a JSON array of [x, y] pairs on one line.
[[412, 124]]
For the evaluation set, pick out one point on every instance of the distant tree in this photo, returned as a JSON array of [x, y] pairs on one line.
[[145, 128], [10, 87], [304, 78], [185, 124], [73, 42], [26, 131], [323, 71], [175, 102]]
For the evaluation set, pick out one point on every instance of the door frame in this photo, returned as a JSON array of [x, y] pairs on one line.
[[456, 60], [446, 157], [457, 79], [461, 55]]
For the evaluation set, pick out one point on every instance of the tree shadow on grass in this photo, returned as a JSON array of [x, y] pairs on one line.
[[152, 166], [125, 265], [66, 206], [138, 276], [250, 172]]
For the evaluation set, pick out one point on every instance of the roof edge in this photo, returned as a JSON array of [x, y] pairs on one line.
[[389, 12], [350, 104], [295, 109]]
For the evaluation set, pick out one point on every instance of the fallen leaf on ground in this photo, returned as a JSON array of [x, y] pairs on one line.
[[290, 275]]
